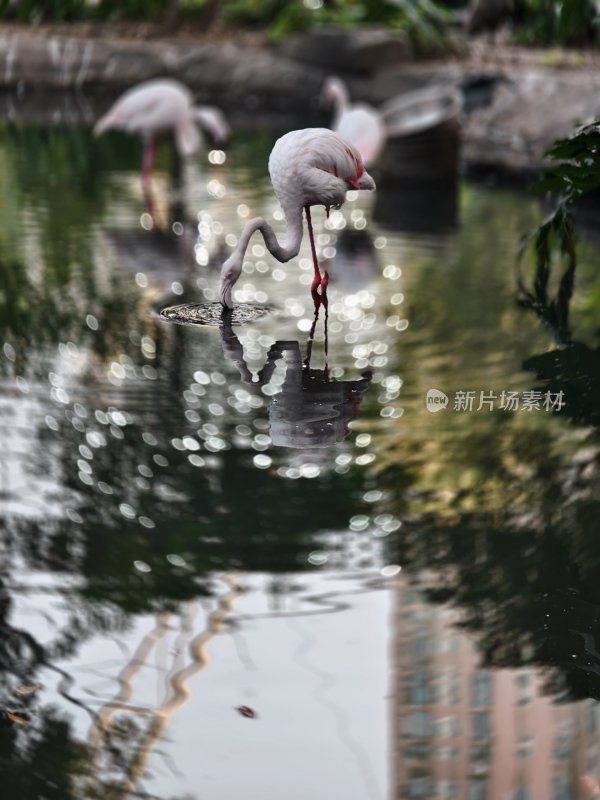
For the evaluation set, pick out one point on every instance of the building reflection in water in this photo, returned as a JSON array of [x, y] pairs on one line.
[[472, 734]]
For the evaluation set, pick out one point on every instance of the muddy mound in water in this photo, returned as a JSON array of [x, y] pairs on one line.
[[213, 314]]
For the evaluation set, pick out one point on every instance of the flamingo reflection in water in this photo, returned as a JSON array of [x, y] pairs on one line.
[[313, 409]]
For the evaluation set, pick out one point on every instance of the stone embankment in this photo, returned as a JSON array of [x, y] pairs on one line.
[[515, 105]]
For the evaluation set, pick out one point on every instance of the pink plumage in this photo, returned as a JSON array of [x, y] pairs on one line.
[[159, 107], [308, 167], [357, 123]]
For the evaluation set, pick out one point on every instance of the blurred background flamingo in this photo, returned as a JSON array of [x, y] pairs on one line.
[[308, 167], [357, 123], [155, 108]]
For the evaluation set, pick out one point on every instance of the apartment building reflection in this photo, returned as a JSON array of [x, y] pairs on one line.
[[471, 734]]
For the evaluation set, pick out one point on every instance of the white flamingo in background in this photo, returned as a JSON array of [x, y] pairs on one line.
[[357, 123], [309, 167], [158, 107]]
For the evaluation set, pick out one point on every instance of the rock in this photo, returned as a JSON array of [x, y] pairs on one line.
[[64, 63], [365, 50], [226, 75], [513, 114], [529, 110], [252, 79], [393, 82]]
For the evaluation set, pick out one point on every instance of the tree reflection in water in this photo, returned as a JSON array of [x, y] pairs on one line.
[[125, 444], [505, 531], [102, 425]]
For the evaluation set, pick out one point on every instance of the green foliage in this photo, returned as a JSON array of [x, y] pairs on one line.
[[547, 22], [422, 21], [578, 165], [35, 11], [27, 11], [555, 235], [129, 9], [576, 173], [45, 763]]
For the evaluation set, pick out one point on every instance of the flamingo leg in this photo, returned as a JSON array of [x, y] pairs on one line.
[[326, 330], [147, 163], [321, 281], [311, 334], [149, 201], [314, 289]]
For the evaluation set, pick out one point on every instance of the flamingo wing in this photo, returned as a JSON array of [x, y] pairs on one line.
[[147, 109]]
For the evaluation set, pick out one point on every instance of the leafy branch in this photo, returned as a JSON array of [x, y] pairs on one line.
[[576, 174], [423, 21]]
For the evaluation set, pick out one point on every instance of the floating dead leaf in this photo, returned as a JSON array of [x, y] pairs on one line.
[[246, 711], [16, 718], [28, 689]]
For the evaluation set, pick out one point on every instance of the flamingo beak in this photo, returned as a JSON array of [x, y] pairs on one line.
[[366, 182], [353, 183]]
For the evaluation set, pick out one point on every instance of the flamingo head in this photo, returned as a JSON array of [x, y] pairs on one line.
[[341, 168], [365, 181], [213, 122], [230, 272], [323, 187], [339, 186], [334, 93]]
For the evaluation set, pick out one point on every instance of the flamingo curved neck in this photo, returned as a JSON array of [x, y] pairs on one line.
[[340, 98], [282, 252]]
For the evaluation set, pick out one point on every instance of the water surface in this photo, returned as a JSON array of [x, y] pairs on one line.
[[194, 520]]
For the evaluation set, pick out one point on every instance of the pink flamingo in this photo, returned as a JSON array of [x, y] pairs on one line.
[[309, 167], [357, 123], [158, 107]]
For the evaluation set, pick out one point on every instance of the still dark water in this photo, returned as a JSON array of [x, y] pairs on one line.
[[405, 598]]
